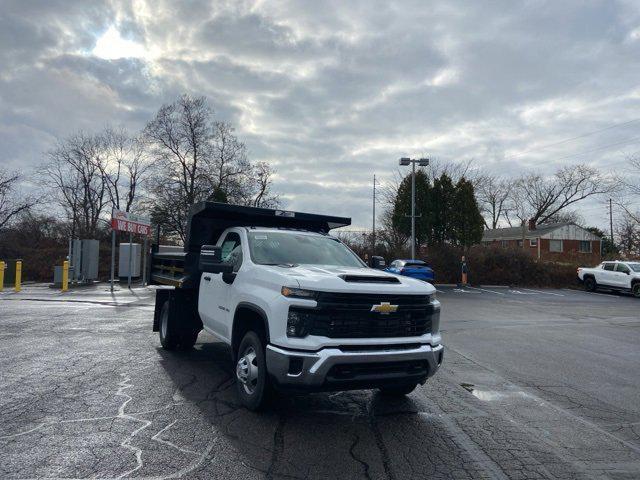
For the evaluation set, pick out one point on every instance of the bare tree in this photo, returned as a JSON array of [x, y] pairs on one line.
[[12, 204], [180, 139], [493, 194], [74, 180], [629, 196], [196, 159], [541, 198], [262, 178], [230, 162], [628, 233], [123, 166]]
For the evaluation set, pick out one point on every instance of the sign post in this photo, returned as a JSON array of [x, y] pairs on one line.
[[127, 222], [113, 255], [144, 262]]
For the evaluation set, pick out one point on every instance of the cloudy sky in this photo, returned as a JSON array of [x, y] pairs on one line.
[[332, 92]]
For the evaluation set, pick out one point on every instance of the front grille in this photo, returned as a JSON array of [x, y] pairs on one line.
[[350, 316], [350, 371], [379, 348]]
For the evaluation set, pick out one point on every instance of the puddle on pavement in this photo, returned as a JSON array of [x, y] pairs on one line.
[[492, 395]]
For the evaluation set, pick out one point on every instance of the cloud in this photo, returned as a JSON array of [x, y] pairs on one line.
[[330, 92]]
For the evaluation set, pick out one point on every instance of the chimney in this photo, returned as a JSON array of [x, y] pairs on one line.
[[532, 224]]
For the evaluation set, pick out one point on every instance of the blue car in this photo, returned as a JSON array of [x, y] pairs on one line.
[[412, 268]]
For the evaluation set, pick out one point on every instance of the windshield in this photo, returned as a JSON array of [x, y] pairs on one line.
[[634, 266], [415, 264], [283, 248]]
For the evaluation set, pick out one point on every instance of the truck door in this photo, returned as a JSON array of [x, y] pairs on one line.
[[216, 296], [607, 276], [622, 278]]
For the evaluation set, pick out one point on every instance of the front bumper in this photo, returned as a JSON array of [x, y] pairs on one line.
[[346, 368]]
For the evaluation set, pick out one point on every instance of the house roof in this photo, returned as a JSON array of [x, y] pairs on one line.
[[515, 233]]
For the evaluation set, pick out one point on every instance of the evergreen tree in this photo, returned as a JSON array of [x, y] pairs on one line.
[[441, 209], [448, 212], [402, 207], [468, 223]]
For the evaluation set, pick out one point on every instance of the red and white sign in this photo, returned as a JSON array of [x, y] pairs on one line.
[[130, 222]]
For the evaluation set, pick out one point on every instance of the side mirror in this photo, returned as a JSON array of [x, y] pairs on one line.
[[377, 262], [210, 260]]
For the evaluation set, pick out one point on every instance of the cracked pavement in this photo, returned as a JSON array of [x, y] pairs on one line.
[[534, 385]]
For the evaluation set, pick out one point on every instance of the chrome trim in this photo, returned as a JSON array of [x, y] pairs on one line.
[[316, 365]]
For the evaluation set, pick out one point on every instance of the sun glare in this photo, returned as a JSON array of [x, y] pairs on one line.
[[111, 46]]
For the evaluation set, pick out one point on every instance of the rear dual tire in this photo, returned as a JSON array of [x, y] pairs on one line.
[[172, 336]]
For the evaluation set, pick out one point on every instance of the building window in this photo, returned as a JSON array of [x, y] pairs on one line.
[[520, 243], [504, 243], [585, 246], [533, 242], [555, 245]]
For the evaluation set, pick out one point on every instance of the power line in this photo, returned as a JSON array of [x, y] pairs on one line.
[[604, 147], [573, 138]]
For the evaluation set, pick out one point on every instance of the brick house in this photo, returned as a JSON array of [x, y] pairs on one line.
[[564, 242]]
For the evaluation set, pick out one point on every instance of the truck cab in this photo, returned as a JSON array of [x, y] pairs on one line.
[[298, 308]]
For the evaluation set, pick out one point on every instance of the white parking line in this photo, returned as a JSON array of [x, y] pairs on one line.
[[589, 293], [546, 293], [518, 292], [485, 290], [462, 290]]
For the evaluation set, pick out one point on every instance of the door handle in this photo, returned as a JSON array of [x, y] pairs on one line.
[[208, 279]]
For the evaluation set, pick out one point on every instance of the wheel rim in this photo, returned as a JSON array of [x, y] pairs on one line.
[[164, 323], [247, 370], [636, 290]]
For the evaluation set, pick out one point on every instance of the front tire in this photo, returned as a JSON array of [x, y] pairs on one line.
[[635, 289], [590, 284], [252, 379], [398, 391]]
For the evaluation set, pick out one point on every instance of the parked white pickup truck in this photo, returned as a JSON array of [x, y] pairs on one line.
[[299, 309], [624, 276]]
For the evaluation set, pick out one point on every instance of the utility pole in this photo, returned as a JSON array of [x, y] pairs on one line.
[[373, 226], [423, 162], [611, 220]]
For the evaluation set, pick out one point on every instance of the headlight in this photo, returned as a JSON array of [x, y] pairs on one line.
[[432, 297], [298, 293], [297, 324]]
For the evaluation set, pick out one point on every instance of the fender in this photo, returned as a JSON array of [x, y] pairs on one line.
[[256, 309]]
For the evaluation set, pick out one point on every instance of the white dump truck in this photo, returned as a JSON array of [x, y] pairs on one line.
[[299, 309]]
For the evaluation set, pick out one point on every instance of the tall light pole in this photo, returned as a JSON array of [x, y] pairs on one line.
[[373, 226], [423, 162]]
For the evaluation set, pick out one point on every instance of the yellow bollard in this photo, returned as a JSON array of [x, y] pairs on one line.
[[1, 276], [65, 276], [18, 275]]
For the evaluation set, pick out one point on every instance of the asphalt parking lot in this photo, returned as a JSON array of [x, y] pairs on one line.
[[536, 383]]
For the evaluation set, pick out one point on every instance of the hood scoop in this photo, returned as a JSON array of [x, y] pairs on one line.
[[368, 279]]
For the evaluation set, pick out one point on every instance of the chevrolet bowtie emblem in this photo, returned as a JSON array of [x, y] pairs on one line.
[[384, 307]]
